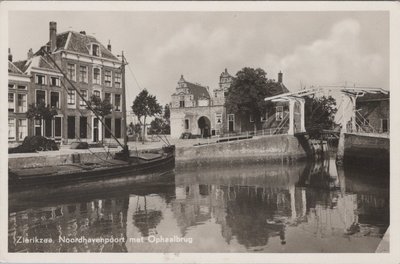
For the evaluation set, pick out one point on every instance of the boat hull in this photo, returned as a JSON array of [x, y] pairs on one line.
[[108, 172]]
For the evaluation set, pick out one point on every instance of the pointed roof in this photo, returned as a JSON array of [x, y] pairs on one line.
[[225, 74], [37, 62], [14, 69]]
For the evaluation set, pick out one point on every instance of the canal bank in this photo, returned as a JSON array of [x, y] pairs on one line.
[[275, 148]]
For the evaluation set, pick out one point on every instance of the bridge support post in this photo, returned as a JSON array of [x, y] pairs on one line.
[[302, 102], [291, 117]]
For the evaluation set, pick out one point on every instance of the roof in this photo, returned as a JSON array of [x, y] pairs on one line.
[[198, 91], [373, 97], [80, 43], [37, 62], [276, 88], [12, 68], [225, 74]]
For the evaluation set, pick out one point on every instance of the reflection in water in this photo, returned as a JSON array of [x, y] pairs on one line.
[[305, 207]]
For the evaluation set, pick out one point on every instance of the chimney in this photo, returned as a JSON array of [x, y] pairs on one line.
[[53, 36], [82, 32], [30, 54], [10, 57], [109, 45], [280, 77]]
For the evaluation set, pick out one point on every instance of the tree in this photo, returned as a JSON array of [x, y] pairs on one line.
[[145, 105], [319, 113], [101, 107], [162, 125], [247, 92], [40, 112]]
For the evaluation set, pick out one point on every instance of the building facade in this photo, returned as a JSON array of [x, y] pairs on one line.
[[374, 110], [18, 88], [92, 69], [200, 112]]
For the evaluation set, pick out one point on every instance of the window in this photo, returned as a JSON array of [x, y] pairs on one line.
[[231, 122], [264, 117], [11, 102], [107, 97], [96, 76], [95, 50], [96, 93], [216, 94], [279, 113], [22, 129], [218, 118], [11, 86], [84, 94], [11, 128], [55, 81], [117, 80], [117, 127], [384, 126], [107, 78], [57, 126], [83, 127], [21, 102], [48, 128], [251, 118], [40, 97], [182, 101], [71, 71], [55, 99], [117, 102], [71, 97], [83, 74], [40, 79], [107, 133], [186, 123], [22, 87], [38, 127], [71, 127]]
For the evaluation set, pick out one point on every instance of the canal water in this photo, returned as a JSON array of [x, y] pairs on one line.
[[302, 207]]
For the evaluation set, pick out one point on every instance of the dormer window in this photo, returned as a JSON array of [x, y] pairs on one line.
[[96, 50]]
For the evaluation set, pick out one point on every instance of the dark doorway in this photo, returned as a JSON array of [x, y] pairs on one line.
[[118, 127], [83, 127], [71, 127], [57, 127], [204, 125], [48, 128], [107, 133], [95, 130]]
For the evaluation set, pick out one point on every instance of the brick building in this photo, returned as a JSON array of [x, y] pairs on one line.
[[196, 110], [93, 70]]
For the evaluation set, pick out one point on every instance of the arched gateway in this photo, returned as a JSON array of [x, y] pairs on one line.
[[204, 125]]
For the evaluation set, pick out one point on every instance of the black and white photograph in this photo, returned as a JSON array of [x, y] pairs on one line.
[[198, 128]]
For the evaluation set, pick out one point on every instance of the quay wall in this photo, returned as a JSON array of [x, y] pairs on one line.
[[364, 150], [277, 148]]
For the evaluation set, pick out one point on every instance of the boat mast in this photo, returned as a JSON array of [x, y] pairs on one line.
[[124, 121]]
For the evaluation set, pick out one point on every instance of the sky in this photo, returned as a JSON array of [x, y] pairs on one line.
[[310, 48]]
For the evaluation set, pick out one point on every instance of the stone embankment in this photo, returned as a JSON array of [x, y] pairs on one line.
[[276, 148]]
